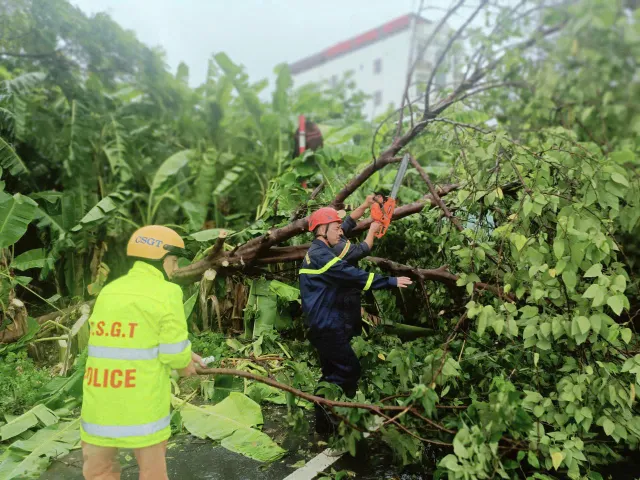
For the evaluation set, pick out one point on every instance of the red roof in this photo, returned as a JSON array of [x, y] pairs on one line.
[[390, 28]]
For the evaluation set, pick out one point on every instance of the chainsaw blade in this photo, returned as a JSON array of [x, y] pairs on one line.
[[400, 176]]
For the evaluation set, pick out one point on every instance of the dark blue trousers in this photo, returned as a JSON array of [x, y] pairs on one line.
[[340, 366]]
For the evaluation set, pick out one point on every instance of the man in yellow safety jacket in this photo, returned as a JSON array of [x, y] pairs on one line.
[[138, 335]]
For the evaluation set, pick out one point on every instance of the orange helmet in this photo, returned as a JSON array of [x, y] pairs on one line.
[[154, 242], [323, 216]]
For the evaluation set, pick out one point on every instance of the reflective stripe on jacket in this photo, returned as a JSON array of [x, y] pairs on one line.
[[322, 279], [138, 335], [351, 298], [348, 251]]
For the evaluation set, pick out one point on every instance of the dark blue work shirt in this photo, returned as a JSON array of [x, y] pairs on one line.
[[323, 279], [348, 251]]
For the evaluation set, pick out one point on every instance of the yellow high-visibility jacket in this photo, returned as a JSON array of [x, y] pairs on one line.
[[138, 335]]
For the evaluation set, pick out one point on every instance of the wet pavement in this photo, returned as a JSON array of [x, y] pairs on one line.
[[189, 457]]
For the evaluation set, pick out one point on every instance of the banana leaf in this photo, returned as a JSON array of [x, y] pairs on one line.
[[30, 458], [30, 259], [16, 212], [262, 307], [189, 304], [231, 421], [169, 168], [284, 291], [10, 160], [103, 210], [220, 387], [37, 415]]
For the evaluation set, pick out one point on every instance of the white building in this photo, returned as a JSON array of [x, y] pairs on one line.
[[379, 60]]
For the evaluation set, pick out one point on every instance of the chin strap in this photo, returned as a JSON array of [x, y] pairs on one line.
[[323, 235]]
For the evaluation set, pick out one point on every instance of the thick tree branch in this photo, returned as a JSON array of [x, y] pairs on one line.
[[385, 159]]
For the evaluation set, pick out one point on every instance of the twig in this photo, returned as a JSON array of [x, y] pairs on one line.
[[452, 40], [434, 194], [432, 423], [445, 348]]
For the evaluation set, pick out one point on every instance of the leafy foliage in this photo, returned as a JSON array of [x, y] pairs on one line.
[[20, 382], [530, 366]]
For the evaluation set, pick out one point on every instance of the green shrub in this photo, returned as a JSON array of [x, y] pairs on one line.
[[20, 383]]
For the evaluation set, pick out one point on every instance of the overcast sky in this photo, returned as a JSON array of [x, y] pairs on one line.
[[256, 33]]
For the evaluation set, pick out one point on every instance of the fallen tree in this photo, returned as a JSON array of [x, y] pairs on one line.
[[531, 363]]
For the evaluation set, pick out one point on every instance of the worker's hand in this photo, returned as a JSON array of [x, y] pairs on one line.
[[188, 371], [197, 359], [403, 282], [369, 201], [375, 226]]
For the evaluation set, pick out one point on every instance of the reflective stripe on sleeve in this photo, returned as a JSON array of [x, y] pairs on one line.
[[345, 250], [329, 264], [117, 353], [369, 282], [173, 348], [119, 431]]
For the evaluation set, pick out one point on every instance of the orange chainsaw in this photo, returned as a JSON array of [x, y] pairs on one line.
[[383, 212]]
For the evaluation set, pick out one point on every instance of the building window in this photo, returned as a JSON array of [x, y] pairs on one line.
[[377, 98], [377, 66]]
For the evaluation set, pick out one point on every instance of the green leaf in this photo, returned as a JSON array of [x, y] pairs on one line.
[[37, 415], [616, 303], [596, 323], [623, 156], [104, 209], [519, 240], [30, 259], [189, 304], [529, 331], [558, 247], [450, 462], [232, 422], [594, 271], [556, 459], [10, 160], [16, 212], [169, 168], [239, 80], [608, 427], [208, 235], [532, 459], [284, 82], [46, 444], [626, 334], [618, 178], [570, 280], [584, 324], [231, 176], [284, 291], [597, 293], [196, 212]]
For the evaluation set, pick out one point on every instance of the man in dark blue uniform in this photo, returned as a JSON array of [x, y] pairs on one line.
[[323, 279], [351, 298]]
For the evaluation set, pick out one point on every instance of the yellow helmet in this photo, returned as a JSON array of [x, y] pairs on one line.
[[154, 242]]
